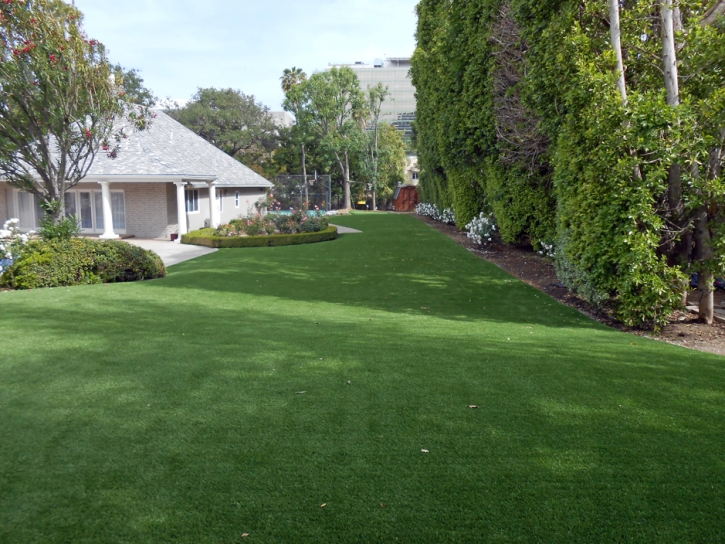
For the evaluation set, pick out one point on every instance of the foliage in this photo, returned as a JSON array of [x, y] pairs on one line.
[[232, 121], [447, 216], [481, 228], [65, 228], [133, 86], [206, 237], [333, 108], [60, 106], [12, 244], [520, 114], [284, 223], [79, 261]]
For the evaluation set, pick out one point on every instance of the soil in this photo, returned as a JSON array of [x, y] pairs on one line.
[[683, 329]]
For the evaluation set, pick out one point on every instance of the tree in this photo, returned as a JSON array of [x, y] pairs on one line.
[[232, 121], [336, 111], [375, 97], [292, 80], [133, 86], [59, 103], [392, 160]]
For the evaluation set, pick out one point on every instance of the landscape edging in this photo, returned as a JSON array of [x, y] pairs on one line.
[[196, 238]]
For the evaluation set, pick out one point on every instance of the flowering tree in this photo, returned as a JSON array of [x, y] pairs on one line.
[[60, 104]]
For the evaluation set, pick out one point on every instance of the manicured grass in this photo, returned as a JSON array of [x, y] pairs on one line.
[[170, 410]]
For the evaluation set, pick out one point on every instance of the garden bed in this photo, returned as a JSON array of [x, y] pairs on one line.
[[206, 237]]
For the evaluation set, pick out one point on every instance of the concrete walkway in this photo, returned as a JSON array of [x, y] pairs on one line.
[[345, 230], [171, 253]]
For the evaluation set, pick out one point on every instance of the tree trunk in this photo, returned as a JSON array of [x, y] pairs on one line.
[[346, 182], [703, 253], [616, 37], [374, 206], [304, 178], [713, 13], [669, 53], [680, 251]]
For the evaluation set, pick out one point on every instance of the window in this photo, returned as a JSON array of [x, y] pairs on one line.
[[236, 199], [415, 175], [118, 210], [220, 201], [26, 209], [70, 204], [192, 201]]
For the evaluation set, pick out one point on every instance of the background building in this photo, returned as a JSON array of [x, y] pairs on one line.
[[394, 73]]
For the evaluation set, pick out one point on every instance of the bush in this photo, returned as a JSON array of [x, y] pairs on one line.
[[481, 228], [79, 261], [205, 237], [65, 229]]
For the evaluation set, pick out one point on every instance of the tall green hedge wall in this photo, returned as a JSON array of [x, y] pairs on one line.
[[519, 114]]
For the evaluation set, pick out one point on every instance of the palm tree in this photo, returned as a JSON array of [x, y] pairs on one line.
[[292, 77]]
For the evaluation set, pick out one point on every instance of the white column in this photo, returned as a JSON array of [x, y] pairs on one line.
[[108, 233], [214, 215], [181, 208]]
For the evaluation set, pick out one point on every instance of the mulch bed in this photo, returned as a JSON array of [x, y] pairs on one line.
[[683, 328]]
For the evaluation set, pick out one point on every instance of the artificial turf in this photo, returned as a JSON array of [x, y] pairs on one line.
[[252, 386]]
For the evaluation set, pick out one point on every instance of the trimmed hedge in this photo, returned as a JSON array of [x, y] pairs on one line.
[[80, 261], [205, 237]]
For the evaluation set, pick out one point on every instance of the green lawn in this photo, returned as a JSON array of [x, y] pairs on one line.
[[170, 410]]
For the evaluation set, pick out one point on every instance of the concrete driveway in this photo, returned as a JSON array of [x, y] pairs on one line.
[[171, 253]]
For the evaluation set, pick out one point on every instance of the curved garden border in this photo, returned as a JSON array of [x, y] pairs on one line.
[[205, 237]]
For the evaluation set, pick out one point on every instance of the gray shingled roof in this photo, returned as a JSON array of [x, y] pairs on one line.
[[168, 148]]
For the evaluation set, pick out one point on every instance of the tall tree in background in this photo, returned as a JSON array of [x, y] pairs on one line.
[[337, 110], [59, 103], [295, 103], [375, 97], [392, 160], [232, 121], [133, 86]]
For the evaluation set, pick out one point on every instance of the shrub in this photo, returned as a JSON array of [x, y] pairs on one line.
[[285, 224], [78, 261], [481, 228], [205, 237], [225, 230], [431, 210], [65, 229], [12, 244], [255, 225]]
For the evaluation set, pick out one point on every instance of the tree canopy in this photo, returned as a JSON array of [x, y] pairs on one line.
[[232, 121], [59, 102]]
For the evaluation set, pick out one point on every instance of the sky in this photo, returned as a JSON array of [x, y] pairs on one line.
[[181, 45]]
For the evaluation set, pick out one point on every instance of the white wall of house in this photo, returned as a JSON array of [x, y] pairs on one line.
[[238, 202], [199, 218], [142, 209]]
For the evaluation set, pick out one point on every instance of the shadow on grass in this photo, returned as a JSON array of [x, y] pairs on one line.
[[397, 265]]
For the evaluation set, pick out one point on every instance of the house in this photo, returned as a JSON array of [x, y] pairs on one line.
[[161, 174]]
